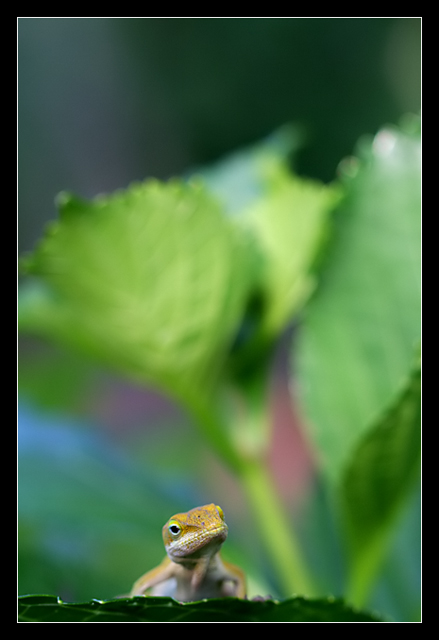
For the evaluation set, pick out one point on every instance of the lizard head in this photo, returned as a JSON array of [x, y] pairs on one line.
[[196, 534]]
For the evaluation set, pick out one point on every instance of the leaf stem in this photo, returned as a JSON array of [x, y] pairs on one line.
[[276, 529], [210, 425], [242, 445], [363, 570]]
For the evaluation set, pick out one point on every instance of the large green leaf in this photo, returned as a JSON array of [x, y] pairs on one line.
[[43, 608], [378, 479], [151, 280], [356, 344]]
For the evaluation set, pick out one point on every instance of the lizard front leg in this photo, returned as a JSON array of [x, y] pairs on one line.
[[163, 572]]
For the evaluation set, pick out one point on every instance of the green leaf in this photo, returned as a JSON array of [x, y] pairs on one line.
[[355, 347], [290, 223], [151, 280], [287, 217], [241, 178], [42, 608], [377, 480]]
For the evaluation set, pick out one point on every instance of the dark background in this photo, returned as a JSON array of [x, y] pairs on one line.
[[103, 102]]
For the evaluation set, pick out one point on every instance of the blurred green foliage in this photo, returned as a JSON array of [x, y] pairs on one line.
[[127, 279], [189, 285]]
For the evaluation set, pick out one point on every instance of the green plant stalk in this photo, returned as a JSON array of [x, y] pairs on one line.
[[363, 570], [211, 428], [276, 530], [251, 435], [242, 447]]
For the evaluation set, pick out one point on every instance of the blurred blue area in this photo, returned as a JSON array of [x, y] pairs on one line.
[[71, 449], [81, 500], [38, 433]]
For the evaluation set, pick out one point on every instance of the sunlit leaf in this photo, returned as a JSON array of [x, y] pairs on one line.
[[290, 223], [151, 280]]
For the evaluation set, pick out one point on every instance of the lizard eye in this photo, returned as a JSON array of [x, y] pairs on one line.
[[174, 529], [220, 511]]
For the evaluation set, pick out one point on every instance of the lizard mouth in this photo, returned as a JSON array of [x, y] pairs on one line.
[[197, 540]]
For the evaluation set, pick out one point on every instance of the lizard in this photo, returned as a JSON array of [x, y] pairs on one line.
[[193, 568]]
